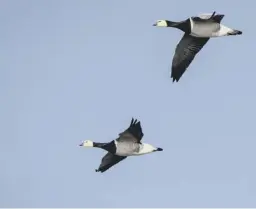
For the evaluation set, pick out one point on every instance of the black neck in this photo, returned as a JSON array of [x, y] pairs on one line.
[[110, 147], [98, 144], [183, 25]]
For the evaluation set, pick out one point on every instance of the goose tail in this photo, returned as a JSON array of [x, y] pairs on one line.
[[235, 32]]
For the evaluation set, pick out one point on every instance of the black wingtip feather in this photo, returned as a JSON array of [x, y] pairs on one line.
[[135, 128], [174, 79], [132, 121], [213, 14]]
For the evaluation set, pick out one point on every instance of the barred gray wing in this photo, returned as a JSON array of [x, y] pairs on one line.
[[132, 134], [185, 52]]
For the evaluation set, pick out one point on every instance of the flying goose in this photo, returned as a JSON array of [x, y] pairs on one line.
[[197, 31], [127, 144]]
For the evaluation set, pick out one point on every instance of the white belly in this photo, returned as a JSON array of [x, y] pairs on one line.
[[204, 30], [205, 35], [127, 149]]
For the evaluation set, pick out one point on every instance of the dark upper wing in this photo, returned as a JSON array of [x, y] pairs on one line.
[[133, 133], [185, 52], [108, 161], [218, 18]]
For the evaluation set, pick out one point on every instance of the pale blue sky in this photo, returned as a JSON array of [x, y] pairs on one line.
[[76, 70]]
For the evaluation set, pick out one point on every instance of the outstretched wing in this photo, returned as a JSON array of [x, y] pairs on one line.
[[185, 52], [108, 161], [133, 133]]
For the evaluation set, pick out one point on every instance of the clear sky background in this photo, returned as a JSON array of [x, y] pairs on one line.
[[76, 70]]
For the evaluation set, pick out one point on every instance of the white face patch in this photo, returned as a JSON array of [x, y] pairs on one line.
[[161, 23], [88, 143]]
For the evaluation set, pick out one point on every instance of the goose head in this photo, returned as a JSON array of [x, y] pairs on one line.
[[161, 23], [86, 143], [183, 25]]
